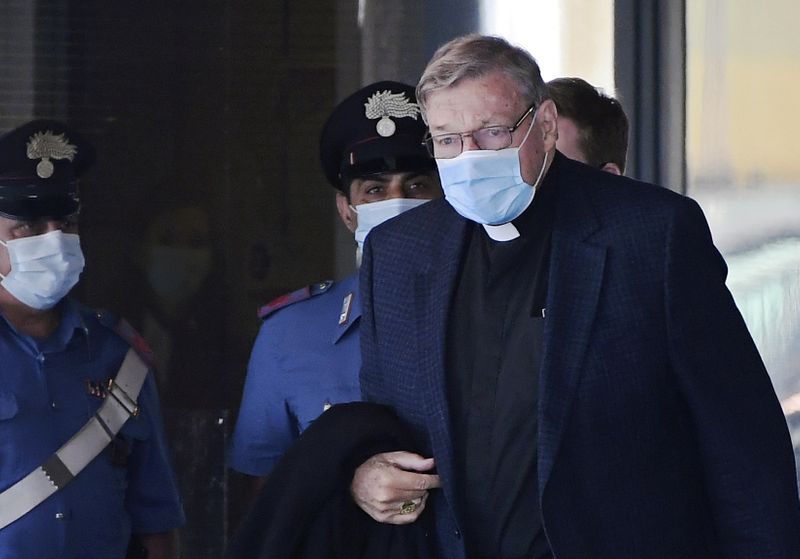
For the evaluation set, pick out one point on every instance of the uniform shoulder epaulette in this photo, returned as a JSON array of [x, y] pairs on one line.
[[128, 333], [302, 294]]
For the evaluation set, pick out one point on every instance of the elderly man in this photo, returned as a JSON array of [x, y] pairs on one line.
[[592, 126], [563, 345], [84, 468]]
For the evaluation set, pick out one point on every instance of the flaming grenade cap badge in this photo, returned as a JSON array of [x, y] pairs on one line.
[[47, 146], [385, 105]]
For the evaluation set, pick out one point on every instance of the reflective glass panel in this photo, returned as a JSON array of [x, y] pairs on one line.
[[743, 74]]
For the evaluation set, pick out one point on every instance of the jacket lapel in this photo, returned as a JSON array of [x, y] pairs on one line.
[[575, 280], [433, 290]]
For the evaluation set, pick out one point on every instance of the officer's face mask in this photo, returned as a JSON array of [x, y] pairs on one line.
[[486, 186], [373, 214], [43, 268]]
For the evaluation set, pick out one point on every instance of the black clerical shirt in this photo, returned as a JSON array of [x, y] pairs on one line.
[[494, 353]]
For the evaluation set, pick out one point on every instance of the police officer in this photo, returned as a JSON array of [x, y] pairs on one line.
[[83, 461], [306, 356]]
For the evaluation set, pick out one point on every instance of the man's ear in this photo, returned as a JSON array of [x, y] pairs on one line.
[[547, 115], [612, 168], [348, 216]]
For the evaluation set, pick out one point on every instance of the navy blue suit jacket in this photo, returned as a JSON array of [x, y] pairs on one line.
[[660, 434]]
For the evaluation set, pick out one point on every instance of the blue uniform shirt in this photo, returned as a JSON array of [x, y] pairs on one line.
[[44, 400], [306, 358]]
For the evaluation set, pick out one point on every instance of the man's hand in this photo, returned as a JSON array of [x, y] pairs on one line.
[[391, 488]]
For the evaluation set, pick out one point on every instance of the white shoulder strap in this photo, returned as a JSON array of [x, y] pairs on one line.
[[58, 470]]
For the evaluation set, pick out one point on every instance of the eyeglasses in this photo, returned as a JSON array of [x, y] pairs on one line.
[[447, 146]]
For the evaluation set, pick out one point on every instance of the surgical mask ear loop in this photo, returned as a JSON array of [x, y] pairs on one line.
[[355, 211], [530, 127], [541, 172], [5, 244], [525, 139]]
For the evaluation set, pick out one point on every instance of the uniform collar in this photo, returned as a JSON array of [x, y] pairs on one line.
[[350, 307], [69, 326]]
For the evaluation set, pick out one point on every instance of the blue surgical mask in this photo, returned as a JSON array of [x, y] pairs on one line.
[[486, 186], [374, 213], [43, 268]]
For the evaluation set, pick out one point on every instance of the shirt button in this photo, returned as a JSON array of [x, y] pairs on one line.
[[53, 405], [40, 358], [457, 533], [60, 516]]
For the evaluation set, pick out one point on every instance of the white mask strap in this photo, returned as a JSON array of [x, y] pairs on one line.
[[530, 127], [5, 244], [541, 171]]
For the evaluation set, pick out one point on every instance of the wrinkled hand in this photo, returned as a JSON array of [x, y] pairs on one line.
[[391, 487]]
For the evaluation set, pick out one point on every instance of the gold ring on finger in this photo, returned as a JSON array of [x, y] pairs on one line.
[[408, 507]]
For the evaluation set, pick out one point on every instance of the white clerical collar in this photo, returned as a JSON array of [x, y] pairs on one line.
[[504, 232]]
